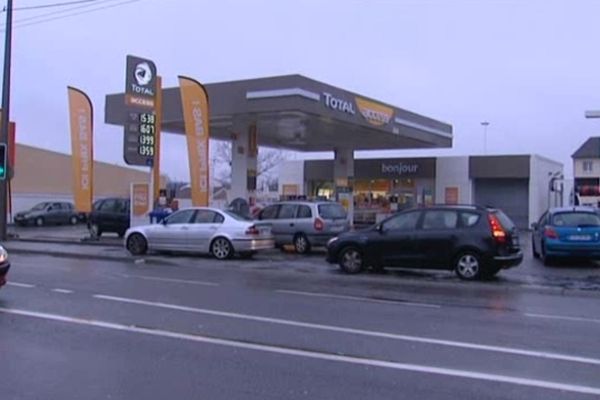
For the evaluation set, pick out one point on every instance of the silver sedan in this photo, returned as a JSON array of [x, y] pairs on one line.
[[201, 230]]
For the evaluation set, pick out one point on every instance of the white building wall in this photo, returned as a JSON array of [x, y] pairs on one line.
[[453, 172], [291, 172], [541, 170], [578, 171]]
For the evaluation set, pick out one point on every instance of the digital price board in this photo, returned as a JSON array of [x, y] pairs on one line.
[[140, 138]]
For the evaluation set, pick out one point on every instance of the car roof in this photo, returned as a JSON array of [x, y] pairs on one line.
[[573, 209]]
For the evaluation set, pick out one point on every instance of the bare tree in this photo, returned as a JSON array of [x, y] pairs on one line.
[[267, 161]]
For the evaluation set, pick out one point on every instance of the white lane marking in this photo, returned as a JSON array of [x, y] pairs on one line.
[[333, 328], [65, 291], [562, 317], [366, 299], [537, 383], [171, 280], [21, 285]]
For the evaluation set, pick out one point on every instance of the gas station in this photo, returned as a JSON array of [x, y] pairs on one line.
[[296, 113]]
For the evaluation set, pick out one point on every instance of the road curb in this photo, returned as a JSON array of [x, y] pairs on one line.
[[81, 242], [66, 254]]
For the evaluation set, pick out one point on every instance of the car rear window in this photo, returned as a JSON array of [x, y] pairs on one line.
[[577, 219], [332, 211], [504, 220]]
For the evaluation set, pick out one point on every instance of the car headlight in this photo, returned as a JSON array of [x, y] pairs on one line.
[[3, 254]]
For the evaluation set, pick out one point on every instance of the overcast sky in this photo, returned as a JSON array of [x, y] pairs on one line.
[[531, 68]]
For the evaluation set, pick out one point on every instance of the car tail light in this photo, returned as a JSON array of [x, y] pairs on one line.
[[550, 233], [253, 230], [498, 232], [319, 224]]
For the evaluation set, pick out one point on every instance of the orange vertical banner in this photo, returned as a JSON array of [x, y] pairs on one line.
[[82, 148], [194, 100], [158, 122]]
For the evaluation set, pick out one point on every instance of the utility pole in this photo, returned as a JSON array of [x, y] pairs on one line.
[[5, 114], [485, 125]]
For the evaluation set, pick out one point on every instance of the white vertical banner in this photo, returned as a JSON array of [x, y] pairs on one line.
[[139, 195]]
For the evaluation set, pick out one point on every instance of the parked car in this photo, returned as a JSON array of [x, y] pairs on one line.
[[305, 223], [52, 212], [566, 232], [474, 241], [202, 230], [4, 266], [109, 215]]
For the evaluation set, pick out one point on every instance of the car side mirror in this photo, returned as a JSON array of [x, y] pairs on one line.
[[534, 226], [379, 228]]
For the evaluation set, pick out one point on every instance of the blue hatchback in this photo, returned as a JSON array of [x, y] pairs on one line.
[[567, 232]]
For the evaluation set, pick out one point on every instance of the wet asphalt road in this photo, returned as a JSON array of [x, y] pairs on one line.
[[198, 328]]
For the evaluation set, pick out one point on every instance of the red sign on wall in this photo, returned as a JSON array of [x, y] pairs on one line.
[[451, 195]]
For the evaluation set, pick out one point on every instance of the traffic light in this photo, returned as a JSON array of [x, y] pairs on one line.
[[3, 161]]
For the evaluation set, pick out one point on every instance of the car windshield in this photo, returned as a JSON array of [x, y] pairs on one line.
[[332, 211], [575, 219], [40, 207]]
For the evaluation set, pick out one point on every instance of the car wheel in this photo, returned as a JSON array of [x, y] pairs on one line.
[[301, 244], [468, 266], [534, 251], [73, 220], [546, 260], [221, 248], [95, 231], [39, 221], [351, 260], [137, 244]]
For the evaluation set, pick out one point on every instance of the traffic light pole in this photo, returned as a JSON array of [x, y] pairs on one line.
[[5, 115]]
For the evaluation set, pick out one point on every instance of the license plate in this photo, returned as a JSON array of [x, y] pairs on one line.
[[580, 238]]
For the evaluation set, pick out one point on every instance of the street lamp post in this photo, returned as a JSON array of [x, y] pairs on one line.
[[485, 125], [5, 114]]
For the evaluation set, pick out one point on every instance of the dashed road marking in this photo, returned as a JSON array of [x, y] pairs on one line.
[[315, 355], [563, 317], [357, 298], [171, 280], [64, 291], [361, 332], [21, 285]]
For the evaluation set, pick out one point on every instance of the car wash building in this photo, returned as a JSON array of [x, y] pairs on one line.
[[297, 113], [519, 184]]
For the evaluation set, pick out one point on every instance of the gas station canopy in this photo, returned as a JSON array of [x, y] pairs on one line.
[[297, 113]]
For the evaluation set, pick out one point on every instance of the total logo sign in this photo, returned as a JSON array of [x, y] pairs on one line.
[[375, 113]]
